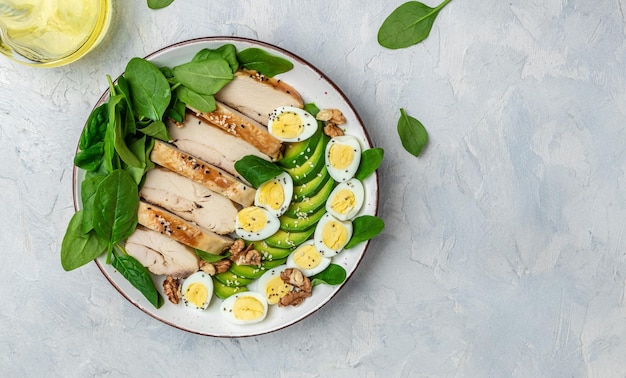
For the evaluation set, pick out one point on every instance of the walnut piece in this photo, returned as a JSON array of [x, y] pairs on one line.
[[332, 130], [207, 268], [324, 115], [221, 266], [293, 298], [237, 247], [247, 256], [331, 115], [302, 287], [214, 268], [171, 289]]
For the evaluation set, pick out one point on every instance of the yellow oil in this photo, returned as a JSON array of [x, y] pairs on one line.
[[52, 32]]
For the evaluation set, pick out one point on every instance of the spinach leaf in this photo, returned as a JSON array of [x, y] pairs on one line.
[[115, 207], [138, 276], [204, 76], [87, 192], [110, 160], [90, 158], [138, 147], [158, 4], [176, 110], [200, 102], [129, 117], [333, 275], [408, 24], [263, 62], [157, 129], [150, 90], [209, 257], [95, 128], [117, 125], [312, 109], [227, 52], [364, 228], [370, 161], [412, 133], [256, 170], [78, 248]]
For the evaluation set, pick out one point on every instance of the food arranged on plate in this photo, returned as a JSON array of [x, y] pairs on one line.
[[221, 179]]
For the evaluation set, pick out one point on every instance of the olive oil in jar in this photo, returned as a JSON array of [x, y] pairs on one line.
[[51, 32]]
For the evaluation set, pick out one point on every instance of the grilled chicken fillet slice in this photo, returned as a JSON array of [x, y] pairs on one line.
[[241, 126], [189, 200], [175, 227], [211, 144], [161, 254], [257, 95], [202, 172]]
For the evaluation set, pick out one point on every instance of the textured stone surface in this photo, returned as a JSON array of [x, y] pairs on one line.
[[504, 251]]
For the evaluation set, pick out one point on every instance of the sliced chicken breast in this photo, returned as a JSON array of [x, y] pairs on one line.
[[257, 95], [175, 227], [200, 171], [243, 127], [209, 143], [189, 200], [162, 255]]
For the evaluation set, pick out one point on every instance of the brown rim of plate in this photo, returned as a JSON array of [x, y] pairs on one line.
[[269, 46]]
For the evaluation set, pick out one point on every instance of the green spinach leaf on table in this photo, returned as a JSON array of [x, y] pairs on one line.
[[408, 24], [412, 133], [158, 4]]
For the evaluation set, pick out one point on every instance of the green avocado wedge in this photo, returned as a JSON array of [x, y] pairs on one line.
[[297, 153]]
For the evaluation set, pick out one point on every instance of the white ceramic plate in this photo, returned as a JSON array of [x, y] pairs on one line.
[[315, 87]]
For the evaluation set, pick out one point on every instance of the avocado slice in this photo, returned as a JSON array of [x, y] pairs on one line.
[[230, 279], [308, 189], [309, 169], [297, 153], [253, 271], [222, 291], [311, 204], [271, 253], [303, 222], [286, 239]]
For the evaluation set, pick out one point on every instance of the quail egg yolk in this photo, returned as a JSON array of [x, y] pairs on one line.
[[340, 156], [288, 125], [197, 294], [271, 194], [275, 289], [252, 219], [343, 201], [248, 308], [307, 257], [334, 235]]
